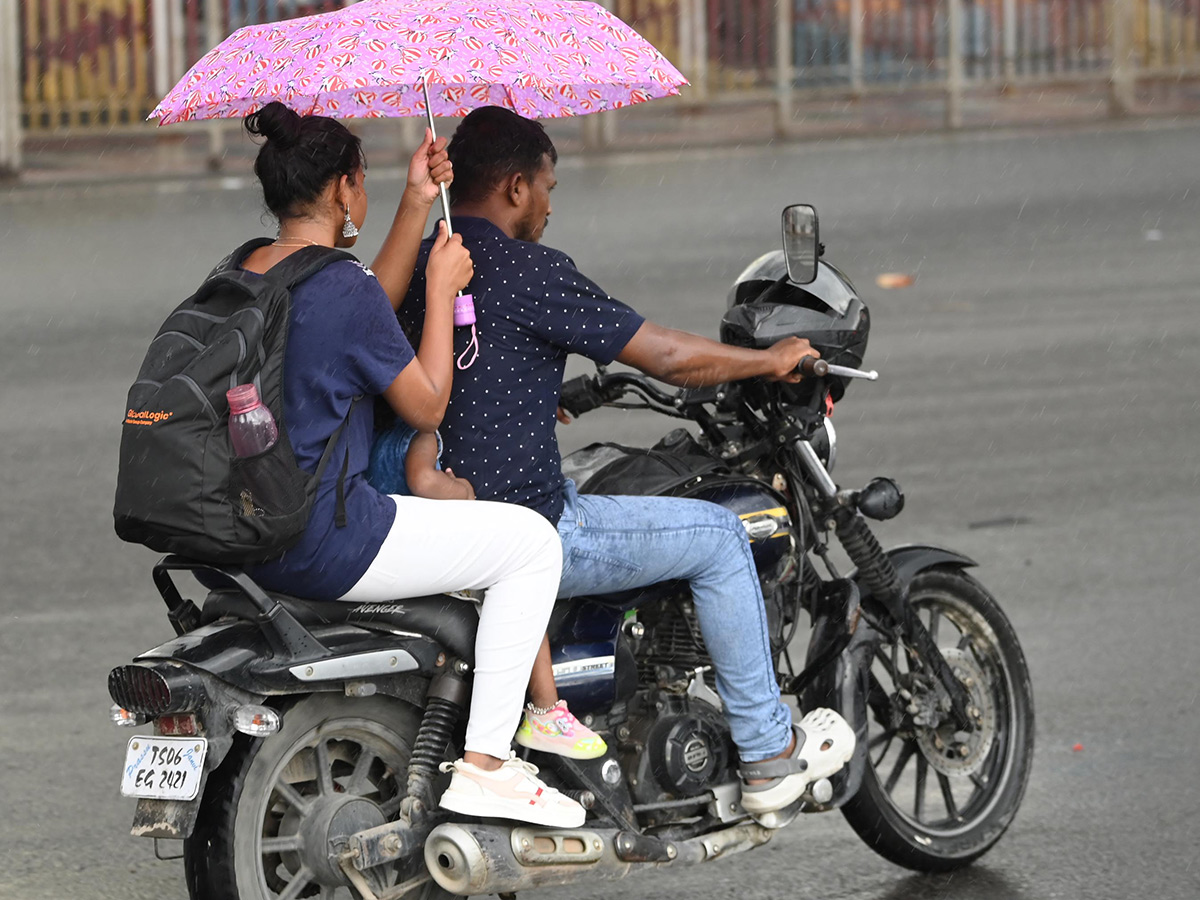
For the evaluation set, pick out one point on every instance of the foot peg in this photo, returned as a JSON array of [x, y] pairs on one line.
[[820, 792]]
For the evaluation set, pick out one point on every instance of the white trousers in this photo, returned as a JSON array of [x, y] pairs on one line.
[[448, 545]]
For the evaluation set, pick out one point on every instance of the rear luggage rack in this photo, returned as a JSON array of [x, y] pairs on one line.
[[288, 639]]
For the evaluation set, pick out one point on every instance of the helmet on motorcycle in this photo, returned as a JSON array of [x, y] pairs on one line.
[[765, 307]]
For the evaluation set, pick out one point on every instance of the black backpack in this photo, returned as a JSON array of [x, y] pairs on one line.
[[180, 489]]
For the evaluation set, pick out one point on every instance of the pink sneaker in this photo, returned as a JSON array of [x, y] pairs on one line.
[[511, 792], [560, 733]]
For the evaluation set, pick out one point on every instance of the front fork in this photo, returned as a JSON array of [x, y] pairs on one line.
[[883, 582]]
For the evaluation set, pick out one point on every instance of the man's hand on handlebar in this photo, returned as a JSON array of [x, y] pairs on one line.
[[786, 357]]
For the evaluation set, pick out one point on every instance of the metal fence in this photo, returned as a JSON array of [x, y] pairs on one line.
[[85, 65]]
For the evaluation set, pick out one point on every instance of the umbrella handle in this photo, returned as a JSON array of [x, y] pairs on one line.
[[464, 309]]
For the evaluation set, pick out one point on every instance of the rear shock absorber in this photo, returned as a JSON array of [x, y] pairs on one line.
[[444, 706]]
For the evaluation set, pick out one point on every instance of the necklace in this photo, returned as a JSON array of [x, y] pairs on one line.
[[295, 242]]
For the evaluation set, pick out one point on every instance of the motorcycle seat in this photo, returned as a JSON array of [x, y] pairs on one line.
[[450, 621], [634, 597]]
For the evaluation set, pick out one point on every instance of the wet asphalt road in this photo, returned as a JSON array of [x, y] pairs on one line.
[[1039, 403]]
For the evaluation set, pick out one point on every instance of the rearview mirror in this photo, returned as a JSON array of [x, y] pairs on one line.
[[800, 243]]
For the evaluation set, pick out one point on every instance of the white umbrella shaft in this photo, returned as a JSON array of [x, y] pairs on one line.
[[433, 134]]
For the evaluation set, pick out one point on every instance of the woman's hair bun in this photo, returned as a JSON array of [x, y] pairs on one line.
[[276, 122]]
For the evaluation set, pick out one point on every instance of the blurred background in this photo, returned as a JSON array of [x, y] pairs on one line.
[[1014, 187], [78, 77]]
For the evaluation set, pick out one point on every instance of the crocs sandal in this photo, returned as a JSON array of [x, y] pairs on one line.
[[824, 743]]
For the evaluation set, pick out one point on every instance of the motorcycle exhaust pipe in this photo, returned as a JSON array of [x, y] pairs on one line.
[[470, 859]]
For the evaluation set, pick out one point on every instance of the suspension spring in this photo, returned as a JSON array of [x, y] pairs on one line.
[[429, 749], [875, 569]]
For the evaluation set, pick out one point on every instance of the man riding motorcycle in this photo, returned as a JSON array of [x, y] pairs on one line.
[[533, 307]]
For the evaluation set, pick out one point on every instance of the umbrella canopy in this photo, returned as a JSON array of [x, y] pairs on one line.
[[540, 58]]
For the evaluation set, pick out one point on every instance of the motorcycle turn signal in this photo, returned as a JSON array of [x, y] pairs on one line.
[[881, 499]]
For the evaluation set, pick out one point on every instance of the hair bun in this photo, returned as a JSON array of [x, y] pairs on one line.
[[277, 123]]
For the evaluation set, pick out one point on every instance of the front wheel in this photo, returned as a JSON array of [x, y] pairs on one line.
[[934, 798], [277, 805]]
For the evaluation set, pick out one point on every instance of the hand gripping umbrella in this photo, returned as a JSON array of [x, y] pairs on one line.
[[383, 58]]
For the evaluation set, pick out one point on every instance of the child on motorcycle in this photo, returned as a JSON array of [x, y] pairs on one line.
[[405, 461]]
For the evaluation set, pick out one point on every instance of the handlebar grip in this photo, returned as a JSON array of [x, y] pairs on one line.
[[580, 395], [811, 365]]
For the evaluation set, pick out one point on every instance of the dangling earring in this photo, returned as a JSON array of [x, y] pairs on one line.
[[349, 229]]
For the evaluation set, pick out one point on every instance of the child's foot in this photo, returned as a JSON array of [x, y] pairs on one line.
[[560, 733], [511, 792]]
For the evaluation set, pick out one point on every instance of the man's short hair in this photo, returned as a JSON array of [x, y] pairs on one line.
[[491, 144]]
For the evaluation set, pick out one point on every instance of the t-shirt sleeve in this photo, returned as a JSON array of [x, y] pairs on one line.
[[576, 315], [376, 346]]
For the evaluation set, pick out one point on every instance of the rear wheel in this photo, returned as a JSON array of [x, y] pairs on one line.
[[934, 798], [274, 808]]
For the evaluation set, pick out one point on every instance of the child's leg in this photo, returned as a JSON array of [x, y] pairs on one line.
[[547, 724], [543, 692]]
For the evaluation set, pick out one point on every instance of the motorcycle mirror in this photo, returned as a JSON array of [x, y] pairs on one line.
[[800, 243]]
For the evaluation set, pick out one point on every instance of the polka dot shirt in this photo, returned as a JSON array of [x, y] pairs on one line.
[[532, 309]]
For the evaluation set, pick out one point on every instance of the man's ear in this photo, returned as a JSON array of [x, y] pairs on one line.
[[515, 188]]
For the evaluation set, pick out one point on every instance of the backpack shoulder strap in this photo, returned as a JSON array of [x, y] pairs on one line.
[[304, 263], [233, 261]]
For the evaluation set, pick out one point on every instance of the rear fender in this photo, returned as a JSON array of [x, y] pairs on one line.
[[236, 653], [228, 664]]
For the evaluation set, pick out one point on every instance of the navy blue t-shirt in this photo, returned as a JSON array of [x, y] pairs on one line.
[[344, 341], [532, 308]]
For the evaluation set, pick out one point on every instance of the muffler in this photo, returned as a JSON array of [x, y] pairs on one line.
[[472, 859]]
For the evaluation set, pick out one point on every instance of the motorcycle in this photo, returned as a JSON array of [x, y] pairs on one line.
[[296, 744]]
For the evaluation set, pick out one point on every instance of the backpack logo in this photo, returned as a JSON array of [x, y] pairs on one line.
[[146, 416]]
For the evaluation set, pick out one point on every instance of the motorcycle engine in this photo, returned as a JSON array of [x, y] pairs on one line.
[[686, 752], [683, 746]]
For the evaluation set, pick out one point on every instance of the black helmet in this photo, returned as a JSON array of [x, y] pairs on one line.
[[765, 307]]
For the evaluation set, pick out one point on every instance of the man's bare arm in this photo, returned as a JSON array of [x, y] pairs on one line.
[[689, 360]]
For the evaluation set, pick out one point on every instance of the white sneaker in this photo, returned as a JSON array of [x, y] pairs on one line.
[[511, 792]]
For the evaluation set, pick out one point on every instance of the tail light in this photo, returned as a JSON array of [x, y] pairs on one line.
[[140, 689]]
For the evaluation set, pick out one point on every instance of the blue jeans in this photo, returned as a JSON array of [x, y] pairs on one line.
[[619, 543]]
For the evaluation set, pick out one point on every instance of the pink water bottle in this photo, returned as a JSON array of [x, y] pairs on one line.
[[252, 428]]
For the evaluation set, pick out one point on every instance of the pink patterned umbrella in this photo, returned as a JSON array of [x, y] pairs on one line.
[[540, 58]]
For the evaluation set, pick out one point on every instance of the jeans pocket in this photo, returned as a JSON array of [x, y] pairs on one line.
[[586, 571]]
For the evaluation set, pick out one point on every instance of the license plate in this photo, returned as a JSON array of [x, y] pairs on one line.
[[163, 768]]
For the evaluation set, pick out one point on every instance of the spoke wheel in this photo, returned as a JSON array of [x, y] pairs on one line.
[[278, 808], [935, 798]]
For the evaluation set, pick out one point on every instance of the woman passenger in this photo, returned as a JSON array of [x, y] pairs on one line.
[[344, 342]]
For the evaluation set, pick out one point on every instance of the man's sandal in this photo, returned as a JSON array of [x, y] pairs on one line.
[[824, 743]]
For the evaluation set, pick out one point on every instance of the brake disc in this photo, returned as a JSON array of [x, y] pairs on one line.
[[954, 752]]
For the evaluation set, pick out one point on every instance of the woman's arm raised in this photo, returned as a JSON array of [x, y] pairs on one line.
[[429, 167], [421, 391]]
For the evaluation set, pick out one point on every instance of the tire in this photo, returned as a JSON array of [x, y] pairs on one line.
[[944, 822], [266, 789]]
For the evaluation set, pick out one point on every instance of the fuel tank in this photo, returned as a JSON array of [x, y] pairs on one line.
[[763, 512]]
